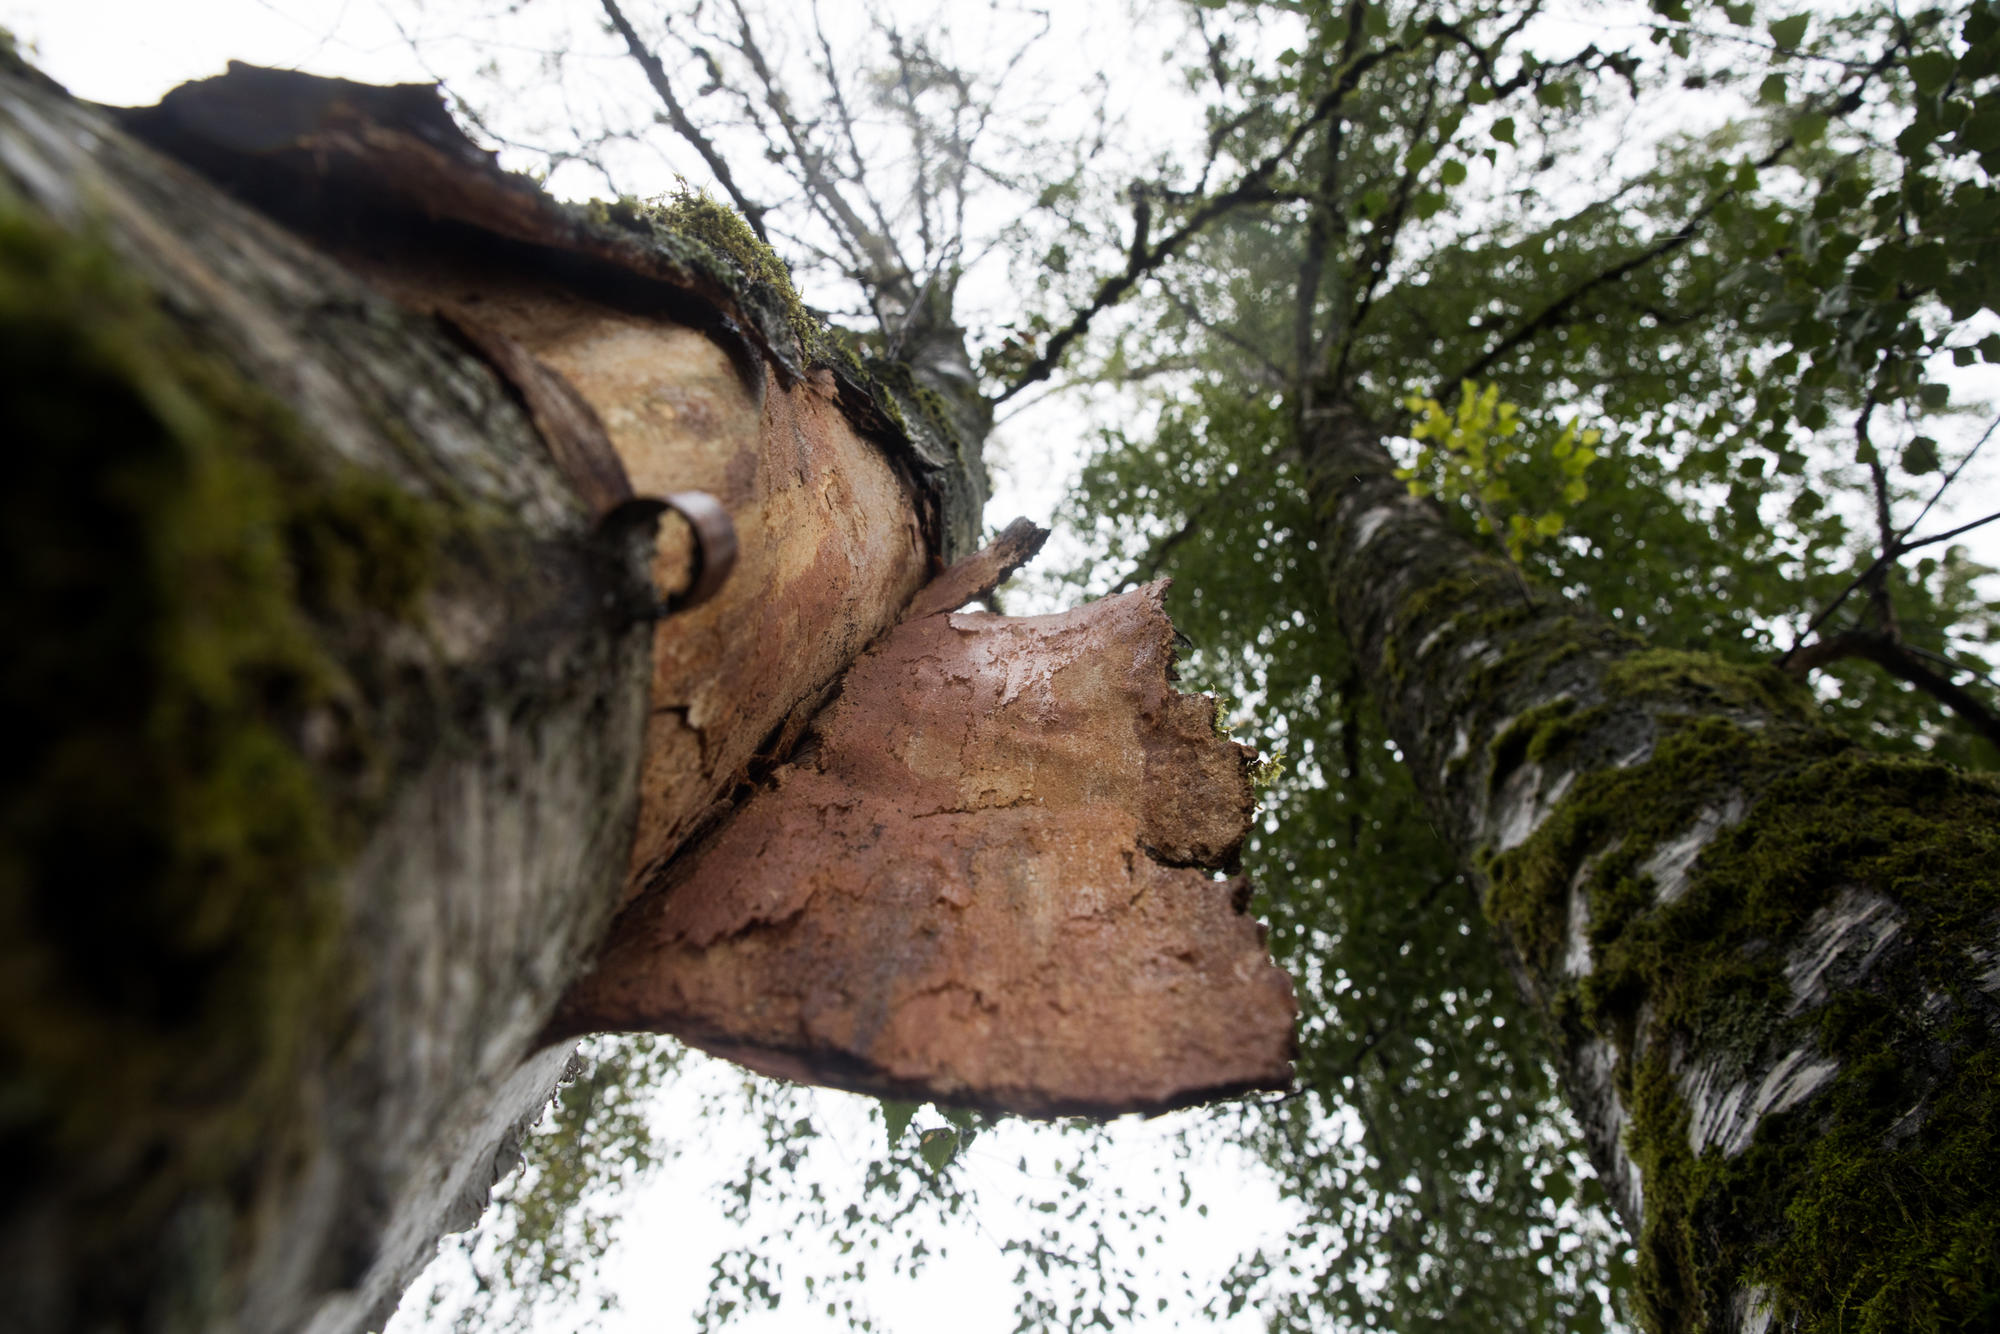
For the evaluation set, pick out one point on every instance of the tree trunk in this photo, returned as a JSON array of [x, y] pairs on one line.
[[340, 734], [1768, 960], [329, 670]]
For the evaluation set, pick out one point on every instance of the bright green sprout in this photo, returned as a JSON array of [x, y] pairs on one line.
[[1466, 454]]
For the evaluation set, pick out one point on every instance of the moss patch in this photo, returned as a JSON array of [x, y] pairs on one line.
[[168, 903], [694, 215], [1855, 1219], [1705, 679]]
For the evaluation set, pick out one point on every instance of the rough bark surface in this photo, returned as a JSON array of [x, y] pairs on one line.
[[983, 879], [1764, 956], [379, 719]]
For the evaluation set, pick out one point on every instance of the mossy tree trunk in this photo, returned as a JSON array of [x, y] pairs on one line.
[[1768, 961], [323, 716]]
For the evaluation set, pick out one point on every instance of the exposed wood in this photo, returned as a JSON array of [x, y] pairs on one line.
[[829, 544], [979, 574]]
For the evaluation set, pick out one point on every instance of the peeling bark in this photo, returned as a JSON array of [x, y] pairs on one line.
[[1757, 949], [983, 880], [368, 736]]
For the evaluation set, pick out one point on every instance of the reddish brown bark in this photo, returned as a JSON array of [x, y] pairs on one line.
[[983, 879]]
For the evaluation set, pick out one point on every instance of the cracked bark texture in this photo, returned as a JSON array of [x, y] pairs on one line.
[[1764, 957], [982, 880]]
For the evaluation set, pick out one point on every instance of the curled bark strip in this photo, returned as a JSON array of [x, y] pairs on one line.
[[714, 541], [980, 573], [568, 424], [714, 544], [980, 880]]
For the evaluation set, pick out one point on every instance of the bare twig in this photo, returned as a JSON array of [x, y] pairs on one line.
[[1898, 547], [656, 75], [1896, 658], [1947, 535], [1952, 476]]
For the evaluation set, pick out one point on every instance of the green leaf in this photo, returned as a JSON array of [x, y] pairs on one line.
[[1930, 70], [1788, 33], [1920, 456], [1420, 156], [1934, 396], [1452, 172], [1771, 92], [1989, 348], [897, 1117], [1809, 129], [1376, 24], [1374, 202], [1503, 129], [938, 1145]]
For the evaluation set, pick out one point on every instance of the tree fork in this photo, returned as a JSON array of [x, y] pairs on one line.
[[1768, 961]]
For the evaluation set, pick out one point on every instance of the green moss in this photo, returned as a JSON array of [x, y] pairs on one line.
[[1447, 600], [1542, 734], [709, 237], [695, 215], [177, 561], [1853, 1224], [920, 412], [1704, 678]]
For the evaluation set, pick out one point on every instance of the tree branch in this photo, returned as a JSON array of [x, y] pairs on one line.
[[656, 75], [1253, 188], [1557, 312], [1896, 658]]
